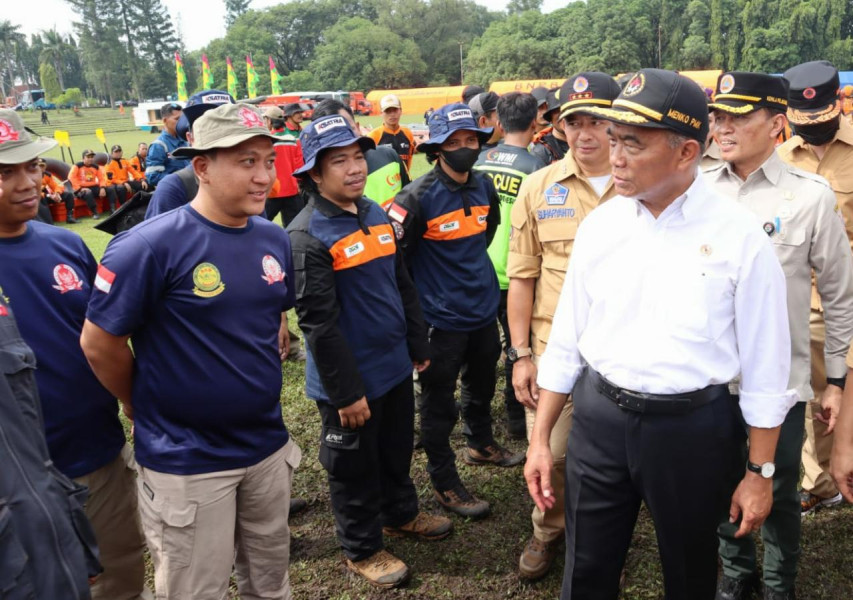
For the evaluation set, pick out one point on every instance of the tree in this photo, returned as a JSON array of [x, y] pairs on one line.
[[696, 51], [234, 9], [49, 81], [519, 6], [156, 42], [71, 96], [9, 35], [53, 51], [359, 55]]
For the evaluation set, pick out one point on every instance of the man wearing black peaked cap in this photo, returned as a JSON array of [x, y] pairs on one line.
[[797, 209], [671, 291], [822, 144]]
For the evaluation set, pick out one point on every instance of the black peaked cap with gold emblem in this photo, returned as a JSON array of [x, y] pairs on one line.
[[663, 100], [590, 88], [813, 93], [741, 92]]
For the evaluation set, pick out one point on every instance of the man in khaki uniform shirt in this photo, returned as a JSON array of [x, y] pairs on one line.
[[823, 145], [797, 210], [551, 204]]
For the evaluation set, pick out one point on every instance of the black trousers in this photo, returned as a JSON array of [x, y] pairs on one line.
[[675, 464], [288, 206], [90, 196], [514, 409], [120, 193], [368, 470], [475, 354], [44, 215]]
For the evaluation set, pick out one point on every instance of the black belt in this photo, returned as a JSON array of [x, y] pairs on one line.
[[658, 404]]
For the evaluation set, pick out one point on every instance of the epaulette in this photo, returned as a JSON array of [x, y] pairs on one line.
[[803, 174]]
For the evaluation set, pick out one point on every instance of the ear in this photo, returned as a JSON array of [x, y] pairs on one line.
[[201, 167], [315, 176], [481, 121], [779, 122], [689, 154]]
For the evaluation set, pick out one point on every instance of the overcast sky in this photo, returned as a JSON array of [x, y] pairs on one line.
[[200, 20]]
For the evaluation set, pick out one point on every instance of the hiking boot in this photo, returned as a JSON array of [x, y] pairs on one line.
[[516, 429], [537, 558], [810, 503], [729, 588], [460, 501], [383, 569], [297, 505], [492, 455], [423, 526]]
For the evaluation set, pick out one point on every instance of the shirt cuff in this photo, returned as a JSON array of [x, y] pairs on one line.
[[836, 367], [522, 266], [556, 375], [766, 410]]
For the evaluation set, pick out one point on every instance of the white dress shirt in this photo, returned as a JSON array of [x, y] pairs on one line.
[[674, 304]]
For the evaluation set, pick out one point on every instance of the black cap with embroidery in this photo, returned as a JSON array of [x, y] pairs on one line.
[[740, 92], [813, 93], [662, 100], [590, 88]]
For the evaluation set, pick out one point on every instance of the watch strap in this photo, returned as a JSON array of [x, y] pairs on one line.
[[522, 352]]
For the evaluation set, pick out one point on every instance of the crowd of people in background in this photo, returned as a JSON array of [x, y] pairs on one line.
[[664, 272]]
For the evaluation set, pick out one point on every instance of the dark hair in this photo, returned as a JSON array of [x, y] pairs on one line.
[[329, 107], [168, 108], [516, 111], [276, 123], [469, 92]]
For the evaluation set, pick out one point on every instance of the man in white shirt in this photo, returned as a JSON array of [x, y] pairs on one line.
[[670, 293], [798, 212]]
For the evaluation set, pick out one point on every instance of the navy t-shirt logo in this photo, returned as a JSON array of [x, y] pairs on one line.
[[66, 279], [272, 270], [207, 280]]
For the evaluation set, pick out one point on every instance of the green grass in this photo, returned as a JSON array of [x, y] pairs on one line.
[[479, 561]]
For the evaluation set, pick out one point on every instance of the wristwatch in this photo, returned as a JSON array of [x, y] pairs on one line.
[[513, 354], [837, 381], [766, 470]]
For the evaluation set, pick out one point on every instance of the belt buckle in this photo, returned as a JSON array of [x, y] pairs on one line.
[[630, 402]]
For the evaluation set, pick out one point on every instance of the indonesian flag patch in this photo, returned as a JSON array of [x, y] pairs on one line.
[[104, 279], [397, 212]]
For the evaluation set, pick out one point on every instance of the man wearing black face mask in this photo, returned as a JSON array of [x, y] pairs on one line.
[[444, 222], [822, 144]]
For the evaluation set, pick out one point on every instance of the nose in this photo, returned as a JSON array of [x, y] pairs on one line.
[[617, 155]]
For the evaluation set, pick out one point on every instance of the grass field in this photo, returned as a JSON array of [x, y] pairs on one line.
[[479, 561]]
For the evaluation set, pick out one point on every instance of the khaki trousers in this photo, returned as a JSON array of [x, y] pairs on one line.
[[194, 524], [551, 524], [817, 447], [111, 508]]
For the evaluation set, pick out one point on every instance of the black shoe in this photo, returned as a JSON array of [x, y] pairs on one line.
[[774, 595], [71, 220], [297, 505], [729, 588]]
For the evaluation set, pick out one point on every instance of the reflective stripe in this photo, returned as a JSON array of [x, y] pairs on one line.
[[359, 248], [456, 224]]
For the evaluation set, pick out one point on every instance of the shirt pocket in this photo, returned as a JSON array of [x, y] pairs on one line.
[[557, 238], [789, 245], [702, 306]]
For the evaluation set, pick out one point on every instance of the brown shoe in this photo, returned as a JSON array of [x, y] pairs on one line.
[[537, 557], [492, 455], [460, 501], [423, 526], [383, 569]]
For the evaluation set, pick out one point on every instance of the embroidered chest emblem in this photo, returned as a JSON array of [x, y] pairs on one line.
[[207, 281], [556, 195], [66, 279], [272, 270]]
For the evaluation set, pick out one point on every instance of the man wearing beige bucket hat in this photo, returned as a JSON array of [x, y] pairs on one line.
[[201, 292], [47, 273]]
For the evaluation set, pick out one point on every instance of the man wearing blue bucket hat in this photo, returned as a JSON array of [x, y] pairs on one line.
[[445, 220], [359, 365]]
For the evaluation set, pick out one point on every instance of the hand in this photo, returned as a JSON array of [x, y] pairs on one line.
[[537, 473], [420, 366], [751, 501], [830, 404], [128, 188], [144, 185], [355, 415], [127, 409], [524, 382], [102, 193]]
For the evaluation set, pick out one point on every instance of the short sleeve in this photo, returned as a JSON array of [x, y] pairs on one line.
[[525, 253], [127, 284]]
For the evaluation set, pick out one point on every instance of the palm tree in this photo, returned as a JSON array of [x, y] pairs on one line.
[[9, 34], [54, 51]]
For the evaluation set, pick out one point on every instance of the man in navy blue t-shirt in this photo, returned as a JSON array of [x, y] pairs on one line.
[[47, 274], [201, 293]]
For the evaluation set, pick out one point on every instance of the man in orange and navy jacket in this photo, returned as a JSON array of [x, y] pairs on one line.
[[120, 177], [89, 182], [137, 162], [52, 191], [445, 221]]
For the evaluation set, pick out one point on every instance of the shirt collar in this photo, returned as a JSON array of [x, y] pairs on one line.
[[450, 183], [330, 209], [688, 205], [771, 169]]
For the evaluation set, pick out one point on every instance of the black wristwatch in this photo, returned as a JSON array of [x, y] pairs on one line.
[[836, 381], [513, 354], [766, 470]]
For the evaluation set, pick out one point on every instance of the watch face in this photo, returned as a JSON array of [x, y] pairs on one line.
[[511, 354], [767, 470]]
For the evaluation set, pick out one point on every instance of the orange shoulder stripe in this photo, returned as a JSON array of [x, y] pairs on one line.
[[359, 248]]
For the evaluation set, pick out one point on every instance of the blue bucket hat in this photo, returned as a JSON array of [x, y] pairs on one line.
[[197, 105], [450, 118], [328, 132]]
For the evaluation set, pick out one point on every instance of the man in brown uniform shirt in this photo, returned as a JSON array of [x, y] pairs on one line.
[[823, 144], [545, 217]]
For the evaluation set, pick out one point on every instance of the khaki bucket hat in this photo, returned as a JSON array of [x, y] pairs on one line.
[[225, 126], [16, 144]]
